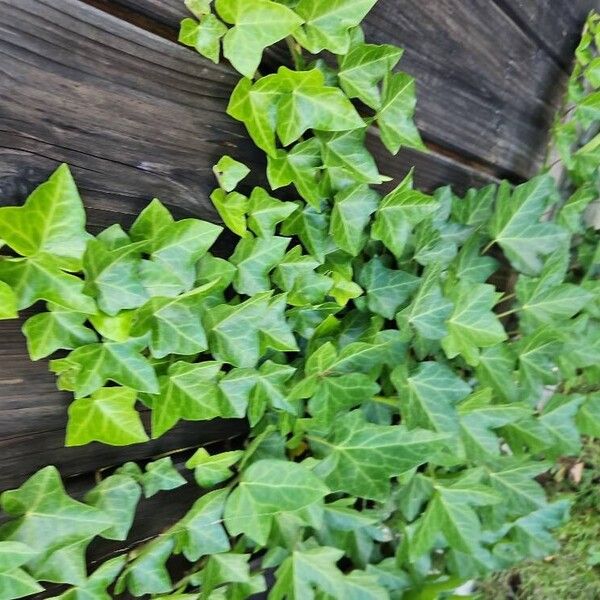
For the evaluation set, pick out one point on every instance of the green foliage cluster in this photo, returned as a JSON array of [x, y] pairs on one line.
[[408, 364]]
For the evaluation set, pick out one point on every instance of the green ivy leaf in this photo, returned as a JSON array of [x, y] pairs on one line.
[[160, 476], [108, 416], [363, 68], [205, 36], [229, 172], [472, 325], [41, 505], [360, 457], [395, 115], [15, 582], [39, 278], [211, 470], [257, 25], [398, 213], [51, 222], [588, 417], [387, 289], [116, 496], [351, 214], [515, 224], [225, 568], [267, 488], [312, 227], [255, 258], [328, 23], [95, 364], [56, 329], [8, 302], [266, 212], [232, 208]]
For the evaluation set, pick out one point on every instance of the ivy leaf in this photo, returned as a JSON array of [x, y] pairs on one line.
[[116, 496], [225, 568], [95, 364], [198, 8], [328, 23], [234, 331], [558, 417], [429, 310], [252, 505], [15, 582], [201, 532], [108, 416], [112, 275], [345, 152], [450, 513], [360, 457], [41, 504], [398, 213], [189, 391], [211, 470], [205, 36], [312, 227], [395, 116], [229, 172], [147, 573], [95, 587], [8, 302], [257, 25], [433, 392], [515, 224], [160, 476], [387, 289], [588, 417], [255, 258], [174, 324], [255, 105], [351, 215], [305, 570], [56, 329], [39, 278], [496, 370], [472, 325], [470, 266], [363, 68], [51, 222], [307, 103], [232, 208], [275, 333], [476, 208], [300, 166], [266, 212]]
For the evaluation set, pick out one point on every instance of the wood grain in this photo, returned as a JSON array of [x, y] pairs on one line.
[[487, 90]]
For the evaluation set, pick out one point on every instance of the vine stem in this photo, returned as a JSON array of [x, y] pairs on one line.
[[487, 248], [295, 52], [512, 311]]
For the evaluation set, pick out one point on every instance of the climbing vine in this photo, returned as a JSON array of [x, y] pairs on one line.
[[408, 365]]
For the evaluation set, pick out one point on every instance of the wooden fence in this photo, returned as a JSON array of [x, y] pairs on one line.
[[103, 86]]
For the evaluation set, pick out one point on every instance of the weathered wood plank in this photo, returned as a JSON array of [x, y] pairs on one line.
[[556, 28], [486, 100]]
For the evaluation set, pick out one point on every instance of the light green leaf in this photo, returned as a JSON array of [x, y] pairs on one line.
[[269, 487], [398, 213], [387, 289], [257, 25], [363, 68], [51, 222], [201, 532], [472, 325], [300, 166], [225, 568], [174, 324], [51, 524], [116, 496], [588, 417], [351, 214], [8, 302], [95, 364], [359, 458], [39, 278], [429, 310], [14, 581], [56, 329], [433, 392], [229, 172], [496, 369], [205, 36], [108, 416], [312, 227], [160, 476], [515, 224], [328, 23], [211, 470], [558, 417], [232, 208], [266, 212], [198, 7], [395, 116]]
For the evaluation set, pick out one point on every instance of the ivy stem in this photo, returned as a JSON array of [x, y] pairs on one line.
[[508, 297], [512, 311], [295, 52], [488, 247]]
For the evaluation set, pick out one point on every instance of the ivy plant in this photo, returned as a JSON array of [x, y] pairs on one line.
[[409, 365]]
